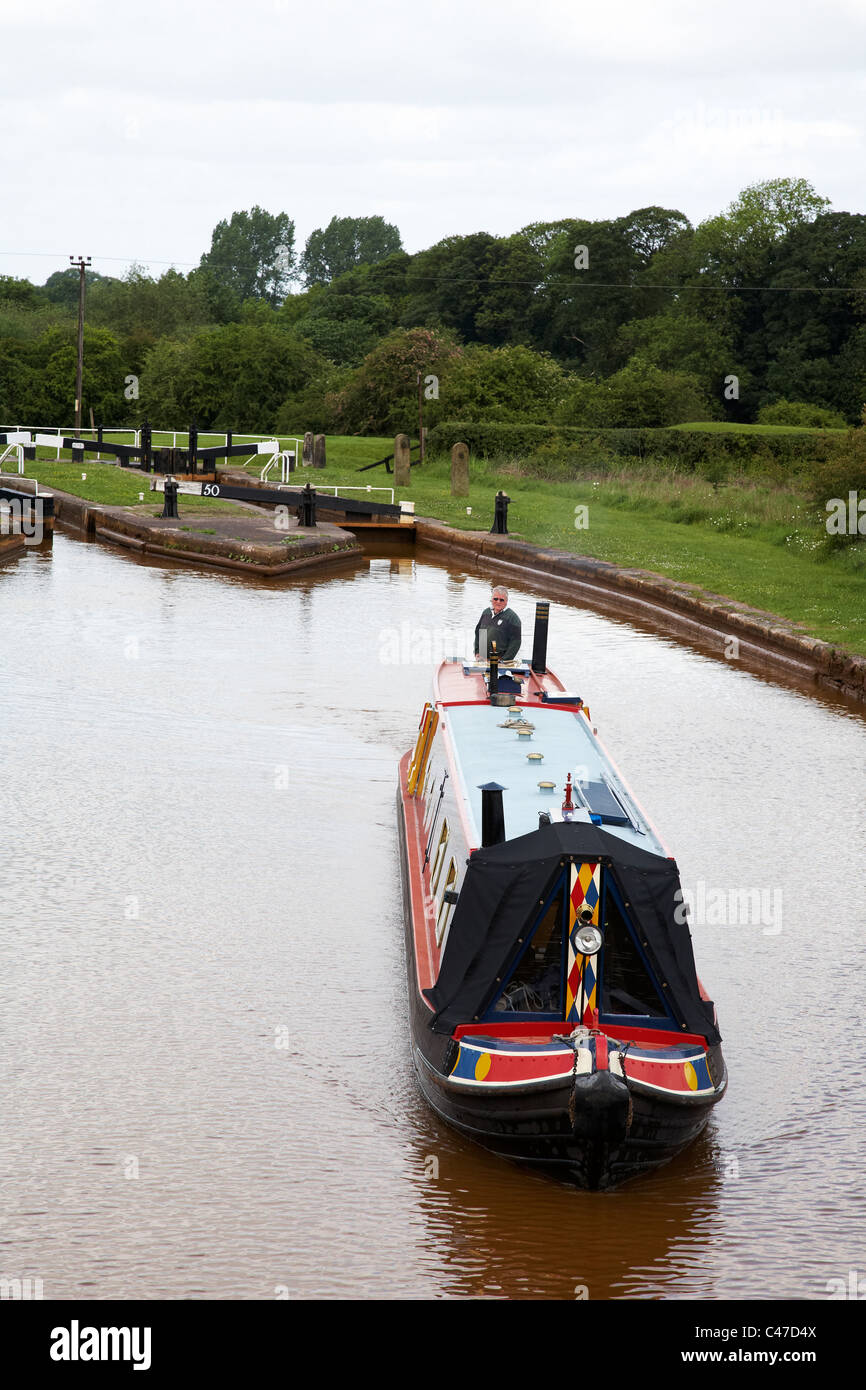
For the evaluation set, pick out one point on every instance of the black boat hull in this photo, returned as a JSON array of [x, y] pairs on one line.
[[596, 1136], [595, 1131]]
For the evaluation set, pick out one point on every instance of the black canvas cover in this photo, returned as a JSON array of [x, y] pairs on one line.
[[501, 894]]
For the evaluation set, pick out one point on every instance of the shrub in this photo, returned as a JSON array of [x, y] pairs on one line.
[[833, 478], [801, 413]]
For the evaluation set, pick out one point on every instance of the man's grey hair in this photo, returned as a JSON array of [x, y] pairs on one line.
[[500, 589]]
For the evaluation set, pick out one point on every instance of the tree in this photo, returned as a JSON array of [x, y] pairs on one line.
[[651, 230], [677, 341], [345, 327], [253, 255], [146, 309], [382, 395], [447, 284], [347, 242], [586, 296], [736, 245], [233, 377], [62, 287], [510, 383], [639, 396]]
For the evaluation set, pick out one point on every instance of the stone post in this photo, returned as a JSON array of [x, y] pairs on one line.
[[319, 451], [460, 470], [307, 455], [402, 472]]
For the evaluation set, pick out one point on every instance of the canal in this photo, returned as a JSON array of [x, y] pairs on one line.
[[208, 1087]]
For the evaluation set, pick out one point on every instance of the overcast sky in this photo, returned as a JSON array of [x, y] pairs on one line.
[[129, 130]]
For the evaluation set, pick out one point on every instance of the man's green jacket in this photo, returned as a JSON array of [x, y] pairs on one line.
[[503, 629]]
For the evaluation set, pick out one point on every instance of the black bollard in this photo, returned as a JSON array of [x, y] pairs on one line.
[[500, 515], [170, 508], [193, 447], [307, 509], [145, 447]]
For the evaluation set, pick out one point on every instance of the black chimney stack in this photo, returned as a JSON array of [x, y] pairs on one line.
[[539, 640], [492, 814]]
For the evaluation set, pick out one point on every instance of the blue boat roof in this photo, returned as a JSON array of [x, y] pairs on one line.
[[486, 752]]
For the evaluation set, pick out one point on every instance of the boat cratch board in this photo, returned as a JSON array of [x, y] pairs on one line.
[[583, 905], [557, 1016]]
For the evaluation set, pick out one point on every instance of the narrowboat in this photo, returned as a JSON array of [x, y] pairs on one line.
[[556, 1014]]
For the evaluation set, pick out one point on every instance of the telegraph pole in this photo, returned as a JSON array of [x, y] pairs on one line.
[[82, 263], [420, 421]]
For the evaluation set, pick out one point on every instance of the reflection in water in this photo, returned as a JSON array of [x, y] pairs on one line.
[[209, 1090]]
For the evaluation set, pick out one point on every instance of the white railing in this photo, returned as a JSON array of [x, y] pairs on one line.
[[339, 488], [9, 451], [259, 443]]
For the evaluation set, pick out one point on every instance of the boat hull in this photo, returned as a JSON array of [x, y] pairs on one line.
[[595, 1131], [596, 1135]]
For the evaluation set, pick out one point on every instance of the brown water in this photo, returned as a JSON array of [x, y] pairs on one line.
[[207, 1085]]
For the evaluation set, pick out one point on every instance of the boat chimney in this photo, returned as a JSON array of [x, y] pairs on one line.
[[493, 682], [568, 804], [492, 814], [539, 640]]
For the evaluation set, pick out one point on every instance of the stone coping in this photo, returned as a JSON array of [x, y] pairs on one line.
[[776, 639], [242, 540]]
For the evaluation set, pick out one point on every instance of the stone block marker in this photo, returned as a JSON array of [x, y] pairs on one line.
[[402, 472], [460, 470], [307, 454], [319, 451]]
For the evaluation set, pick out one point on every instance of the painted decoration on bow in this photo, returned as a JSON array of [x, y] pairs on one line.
[[585, 894]]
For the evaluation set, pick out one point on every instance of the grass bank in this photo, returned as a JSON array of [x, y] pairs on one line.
[[752, 541], [110, 485]]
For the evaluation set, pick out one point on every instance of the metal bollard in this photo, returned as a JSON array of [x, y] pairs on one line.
[[170, 508], [307, 509], [500, 515], [145, 447], [193, 447]]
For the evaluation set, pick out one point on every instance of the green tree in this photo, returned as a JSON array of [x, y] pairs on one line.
[[232, 377], [347, 242], [678, 341], [504, 384], [735, 246], [51, 363], [343, 321], [638, 396], [446, 286], [587, 295], [62, 287], [252, 255], [381, 396]]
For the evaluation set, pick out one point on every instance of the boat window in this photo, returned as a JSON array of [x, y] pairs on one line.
[[440, 858], [627, 985], [446, 908], [535, 984]]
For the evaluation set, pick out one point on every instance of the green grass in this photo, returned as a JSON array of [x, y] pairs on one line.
[[747, 538], [345, 451], [113, 486], [748, 541]]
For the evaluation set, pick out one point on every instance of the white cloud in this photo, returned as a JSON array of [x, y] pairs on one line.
[[133, 129]]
